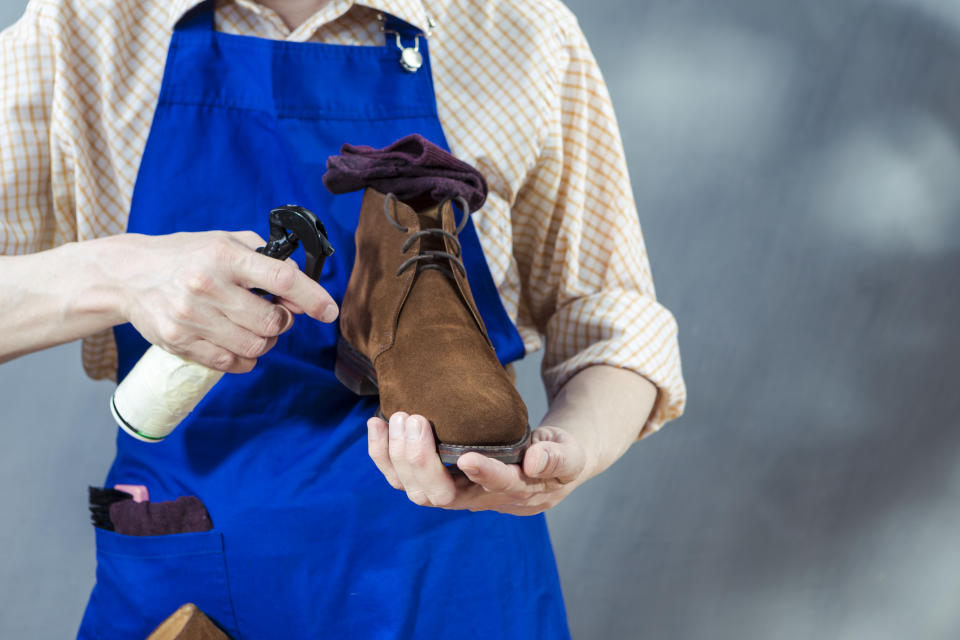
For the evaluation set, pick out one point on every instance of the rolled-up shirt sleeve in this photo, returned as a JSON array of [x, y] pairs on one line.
[[38, 186], [35, 209], [585, 274]]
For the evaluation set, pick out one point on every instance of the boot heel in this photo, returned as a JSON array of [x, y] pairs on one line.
[[354, 371]]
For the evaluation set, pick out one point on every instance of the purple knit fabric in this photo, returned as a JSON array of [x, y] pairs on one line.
[[186, 514], [418, 172]]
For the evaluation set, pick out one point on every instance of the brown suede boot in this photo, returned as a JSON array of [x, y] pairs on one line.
[[187, 623], [411, 331]]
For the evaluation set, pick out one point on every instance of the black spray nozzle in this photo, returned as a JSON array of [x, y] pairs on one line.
[[291, 226]]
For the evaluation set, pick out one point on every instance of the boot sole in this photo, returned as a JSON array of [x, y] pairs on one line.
[[507, 454], [356, 372]]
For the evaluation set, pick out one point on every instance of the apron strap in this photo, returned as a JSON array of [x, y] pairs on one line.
[[405, 29], [199, 18]]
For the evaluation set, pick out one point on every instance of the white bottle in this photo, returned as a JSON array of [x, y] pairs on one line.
[[158, 393], [162, 389]]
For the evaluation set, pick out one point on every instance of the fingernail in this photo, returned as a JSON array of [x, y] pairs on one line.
[[287, 321], [414, 429], [330, 313], [395, 429], [372, 431], [470, 471], [544, 459]]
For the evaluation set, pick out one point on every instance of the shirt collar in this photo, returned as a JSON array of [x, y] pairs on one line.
[[411, 11]]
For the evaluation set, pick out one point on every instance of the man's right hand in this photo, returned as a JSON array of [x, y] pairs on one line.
[[190, 294]]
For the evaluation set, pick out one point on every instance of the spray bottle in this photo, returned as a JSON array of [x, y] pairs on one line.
[[162, 388]]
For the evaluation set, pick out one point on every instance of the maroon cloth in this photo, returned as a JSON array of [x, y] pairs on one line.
[[418, 172], [186, 514]]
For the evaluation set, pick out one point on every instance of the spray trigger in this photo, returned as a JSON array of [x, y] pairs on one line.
[[291, 226]]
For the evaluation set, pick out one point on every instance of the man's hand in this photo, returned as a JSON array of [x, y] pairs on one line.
[[602, 409], [190, 294], [405, 452]]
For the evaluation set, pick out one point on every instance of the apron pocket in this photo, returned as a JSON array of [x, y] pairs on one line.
[[141, 580]]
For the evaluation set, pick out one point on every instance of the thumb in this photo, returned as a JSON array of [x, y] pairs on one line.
[[562, 461]]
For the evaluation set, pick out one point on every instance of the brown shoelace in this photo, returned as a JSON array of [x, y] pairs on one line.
[[429, 258]]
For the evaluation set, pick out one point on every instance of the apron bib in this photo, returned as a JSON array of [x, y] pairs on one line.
[[309, 541]]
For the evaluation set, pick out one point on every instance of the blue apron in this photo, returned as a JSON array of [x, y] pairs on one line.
[[309, 540]]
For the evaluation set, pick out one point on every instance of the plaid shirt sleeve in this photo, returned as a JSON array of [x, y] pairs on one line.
[[579, 248], [27, 220]]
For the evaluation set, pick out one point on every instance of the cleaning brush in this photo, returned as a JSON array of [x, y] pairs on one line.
[[100, 501]]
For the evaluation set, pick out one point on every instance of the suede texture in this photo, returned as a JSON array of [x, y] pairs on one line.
[[367, 319], [423, 334], [187, 623]]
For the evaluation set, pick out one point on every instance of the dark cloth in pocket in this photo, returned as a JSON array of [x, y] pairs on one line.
[[186, 514]]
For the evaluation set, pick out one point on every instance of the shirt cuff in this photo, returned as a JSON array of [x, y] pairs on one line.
[[625, 329]]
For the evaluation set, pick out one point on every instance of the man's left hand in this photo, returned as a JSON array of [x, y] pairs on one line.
[[405, 451]]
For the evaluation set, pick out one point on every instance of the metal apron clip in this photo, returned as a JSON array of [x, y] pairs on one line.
[[410, 57]]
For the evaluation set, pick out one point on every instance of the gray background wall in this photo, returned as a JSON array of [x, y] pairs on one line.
[[796, 167]]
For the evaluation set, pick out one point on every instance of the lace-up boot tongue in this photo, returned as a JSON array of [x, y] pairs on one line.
[[433, 213], [430, 219]]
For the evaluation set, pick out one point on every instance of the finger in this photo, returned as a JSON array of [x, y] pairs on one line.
[[550, 434], [253, 313], [253, 241], [195, 317], [249, 239], [379, 452], [423, 462], [285, 280], [288, 305], [241, 342], [474, 497], [397, 440], [216, 357], [521, 509], [534, 498], [561, 461], [493, 475]]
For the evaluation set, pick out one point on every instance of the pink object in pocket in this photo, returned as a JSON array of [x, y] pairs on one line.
[[138, 491]]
